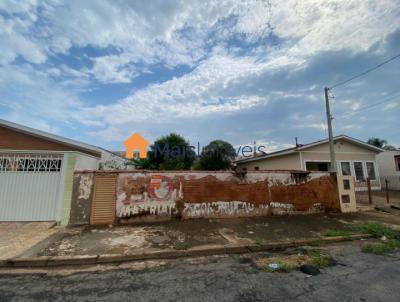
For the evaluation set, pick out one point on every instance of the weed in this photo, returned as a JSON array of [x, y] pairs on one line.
[[336, 233], [259, 241], [381, 247], [181, 246], [320, 259], [376, 229]]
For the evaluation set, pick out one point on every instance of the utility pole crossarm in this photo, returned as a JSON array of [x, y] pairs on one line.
[[329, 122]]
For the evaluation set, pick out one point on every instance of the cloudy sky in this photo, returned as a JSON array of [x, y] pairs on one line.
[[241, 71]]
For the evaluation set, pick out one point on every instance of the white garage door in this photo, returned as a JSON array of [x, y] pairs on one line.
[[29, 186]]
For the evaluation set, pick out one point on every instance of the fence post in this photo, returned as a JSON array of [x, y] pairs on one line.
[[369, 191], [387, 190]]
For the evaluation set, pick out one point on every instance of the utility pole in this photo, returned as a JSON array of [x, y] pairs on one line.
[[329, 121]]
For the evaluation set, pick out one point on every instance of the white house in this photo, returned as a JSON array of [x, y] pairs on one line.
[[389, 168], [36, 172]]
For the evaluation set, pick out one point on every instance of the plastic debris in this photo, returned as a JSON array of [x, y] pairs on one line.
[[273, 265]]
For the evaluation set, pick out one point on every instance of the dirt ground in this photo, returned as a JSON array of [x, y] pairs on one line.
[[176, 235]]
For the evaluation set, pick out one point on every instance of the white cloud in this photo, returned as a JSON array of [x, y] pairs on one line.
[[113, 69], [390, 106], [319, 126], [204, 91], [15, 41], [127, 38], [27, 93], [354, 106]]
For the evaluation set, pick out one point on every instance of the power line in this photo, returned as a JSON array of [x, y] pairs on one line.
[[365, 72], [368, 107]]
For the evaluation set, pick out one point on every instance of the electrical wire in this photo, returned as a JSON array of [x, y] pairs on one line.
[[368, 107], [365, 72]]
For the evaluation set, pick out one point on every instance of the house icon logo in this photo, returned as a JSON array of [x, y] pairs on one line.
[[136, 143]]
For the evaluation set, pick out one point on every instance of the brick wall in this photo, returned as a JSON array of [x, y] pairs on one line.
[[149, 195]]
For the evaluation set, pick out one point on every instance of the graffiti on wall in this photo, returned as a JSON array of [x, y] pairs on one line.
[[223, 209], [199, 194], [140, 194]]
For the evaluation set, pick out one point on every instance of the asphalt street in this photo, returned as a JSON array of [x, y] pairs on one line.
[[358, 277]]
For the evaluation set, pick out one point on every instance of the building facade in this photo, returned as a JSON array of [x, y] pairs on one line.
[[353, 158]]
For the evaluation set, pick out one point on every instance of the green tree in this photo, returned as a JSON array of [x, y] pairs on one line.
[[217, 155], [171, 152], [377, 142]]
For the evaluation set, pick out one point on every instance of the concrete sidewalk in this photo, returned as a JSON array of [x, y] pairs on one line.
[[17, 237], [199, 234]]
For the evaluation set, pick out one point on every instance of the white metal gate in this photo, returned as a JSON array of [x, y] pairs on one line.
[[29, 186]]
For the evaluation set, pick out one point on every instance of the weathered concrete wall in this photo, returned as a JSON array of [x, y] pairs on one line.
[[82, 195], [223, 194], [150, 196]]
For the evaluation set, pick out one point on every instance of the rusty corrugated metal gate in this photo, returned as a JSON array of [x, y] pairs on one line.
[[103, 205]]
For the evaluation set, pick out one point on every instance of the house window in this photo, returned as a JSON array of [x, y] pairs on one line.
[[317, 166], [345, 166], [257, 168], [397, 161], [346, 184], [371, 170], [358, 169]]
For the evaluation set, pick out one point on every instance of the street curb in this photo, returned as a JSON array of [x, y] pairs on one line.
[[55, 261]]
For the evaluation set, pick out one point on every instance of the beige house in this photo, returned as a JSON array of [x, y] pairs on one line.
[[353, 157]]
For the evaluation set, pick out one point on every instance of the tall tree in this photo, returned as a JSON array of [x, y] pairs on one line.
[[377, 142], [217, 155], [171, 152]]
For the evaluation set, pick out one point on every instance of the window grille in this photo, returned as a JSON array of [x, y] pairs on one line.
[[24, 162], [371, 170], [358, 169]]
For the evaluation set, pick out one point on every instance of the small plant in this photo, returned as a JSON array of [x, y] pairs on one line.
[[336, 233], [377, 230], [259, 241], [181, 246], [320, 259], [381, 247]]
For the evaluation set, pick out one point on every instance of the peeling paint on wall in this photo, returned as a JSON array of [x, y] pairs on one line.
[[141, 194], [81, 203], [85, 186], [150, 195], [223, 209]]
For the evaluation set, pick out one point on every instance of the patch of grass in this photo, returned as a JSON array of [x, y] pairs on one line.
[[381, 247], [181, 246], [286, 263], [289, 263], [377, 230], [320, 258], [336, 233], [259, 241]]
